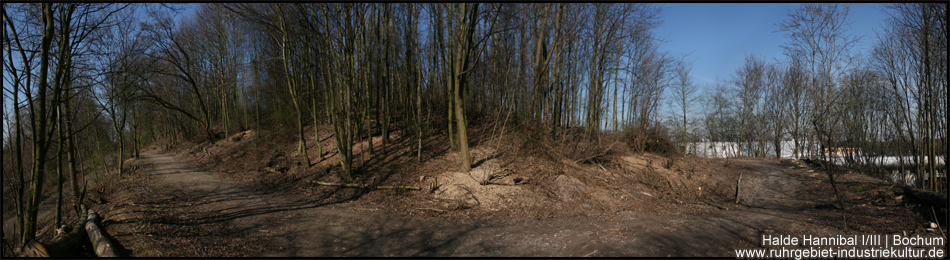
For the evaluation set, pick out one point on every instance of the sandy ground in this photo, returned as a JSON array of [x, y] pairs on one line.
[[171, 209]]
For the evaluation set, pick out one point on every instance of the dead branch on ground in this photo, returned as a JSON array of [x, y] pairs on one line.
[[366, 186]]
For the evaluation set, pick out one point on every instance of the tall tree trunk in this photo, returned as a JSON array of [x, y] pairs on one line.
[[316, 122], [62, 68], [59, 168], [463, 51], [39, 121], [21, 201], [71, 157], [293, 87]]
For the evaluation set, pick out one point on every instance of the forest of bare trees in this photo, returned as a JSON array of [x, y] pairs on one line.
[[825, 94], [87, 85]]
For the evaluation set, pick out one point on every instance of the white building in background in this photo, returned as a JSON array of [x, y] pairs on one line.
[[714, 149], [731, 149]]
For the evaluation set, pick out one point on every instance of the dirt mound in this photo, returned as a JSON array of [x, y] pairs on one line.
[[522, 194], [239, 136], [488, 186], [573, 191], [517, 173], [512, 175], [170, 209], [228, 145], [457, 190]]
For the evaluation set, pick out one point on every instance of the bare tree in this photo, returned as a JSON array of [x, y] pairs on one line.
[[291, 71], [749, 85], [818, 34], [911, 56], [177, 57], [684, 95], [776, 105]]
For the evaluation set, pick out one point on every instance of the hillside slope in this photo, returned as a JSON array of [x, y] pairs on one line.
[[217, 199]]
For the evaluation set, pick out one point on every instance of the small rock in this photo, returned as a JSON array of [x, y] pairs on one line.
[[933, 225]]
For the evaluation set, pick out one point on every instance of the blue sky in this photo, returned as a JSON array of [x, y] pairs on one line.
[[720, 34]]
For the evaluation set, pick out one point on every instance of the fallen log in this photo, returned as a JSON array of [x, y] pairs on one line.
[[366, 186], [102, 246]]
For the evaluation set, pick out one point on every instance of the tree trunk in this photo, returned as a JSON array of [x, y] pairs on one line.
[[58, 220], [102, 246], [21, 179], [62, 68], [40, 142], [460, 68], [121, 139], [292, 85]]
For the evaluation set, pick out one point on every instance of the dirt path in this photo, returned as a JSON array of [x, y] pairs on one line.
[[192, 213]]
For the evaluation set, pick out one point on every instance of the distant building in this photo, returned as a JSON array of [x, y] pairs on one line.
[[731, 149], [714, 149], [841, 152]]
